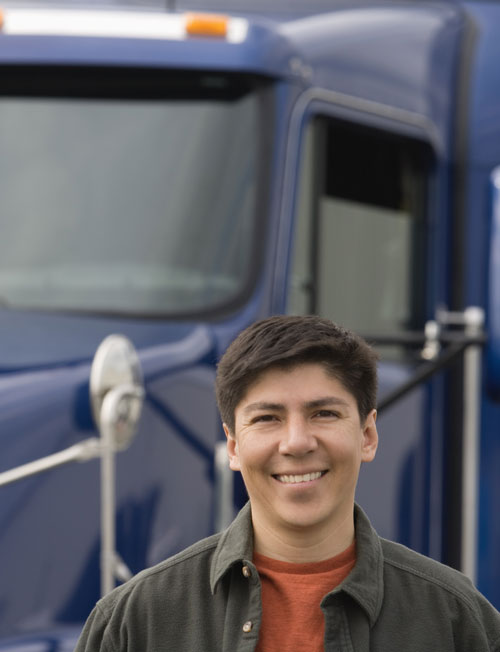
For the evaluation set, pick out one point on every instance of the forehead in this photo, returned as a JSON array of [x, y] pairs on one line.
[[301, 382]]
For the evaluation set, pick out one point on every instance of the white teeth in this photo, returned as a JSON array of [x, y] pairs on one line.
[[292, 479]]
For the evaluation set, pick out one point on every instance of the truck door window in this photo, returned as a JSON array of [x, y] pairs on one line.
[[128, 192], [358, 254]]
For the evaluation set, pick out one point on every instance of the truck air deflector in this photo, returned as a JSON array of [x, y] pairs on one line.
[[400, 57]]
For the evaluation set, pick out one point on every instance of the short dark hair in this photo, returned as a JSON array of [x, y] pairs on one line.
[[287, 341]]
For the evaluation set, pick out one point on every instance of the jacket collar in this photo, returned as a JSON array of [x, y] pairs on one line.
[[235, 546], [364, 584]]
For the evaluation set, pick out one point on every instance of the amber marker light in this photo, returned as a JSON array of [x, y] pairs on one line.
[[2, 19], [207, 25]]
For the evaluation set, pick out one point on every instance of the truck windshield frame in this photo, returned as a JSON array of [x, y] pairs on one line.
[[132, 192]]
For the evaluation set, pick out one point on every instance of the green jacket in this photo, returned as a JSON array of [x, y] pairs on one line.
[[207, 599]]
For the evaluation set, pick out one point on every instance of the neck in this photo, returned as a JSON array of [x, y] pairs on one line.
[[302, 545]]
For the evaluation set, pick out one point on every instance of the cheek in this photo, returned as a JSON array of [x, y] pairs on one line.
[[254, 452], [347, 447]]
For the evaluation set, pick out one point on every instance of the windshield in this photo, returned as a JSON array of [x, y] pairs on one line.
[[143, 204]]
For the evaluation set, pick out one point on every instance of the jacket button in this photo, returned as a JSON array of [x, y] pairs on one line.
[[246, 571], [247, 627]]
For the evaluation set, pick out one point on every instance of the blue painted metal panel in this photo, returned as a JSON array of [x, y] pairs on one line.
[[399, 57], [489, 489], [489, 503], [482, 271], [493, 325], [483, 147], [392, 487], [484, 123], [62, 639], [50, 523]]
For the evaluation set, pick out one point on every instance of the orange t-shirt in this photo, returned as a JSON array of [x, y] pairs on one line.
[[291, 595]]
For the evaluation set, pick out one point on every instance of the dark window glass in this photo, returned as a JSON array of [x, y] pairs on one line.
[[358, 250]]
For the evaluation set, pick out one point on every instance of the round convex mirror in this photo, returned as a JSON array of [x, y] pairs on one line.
[[116, 373]]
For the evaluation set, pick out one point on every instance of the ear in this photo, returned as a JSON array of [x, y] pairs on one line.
[[232, 449], [370, 437]]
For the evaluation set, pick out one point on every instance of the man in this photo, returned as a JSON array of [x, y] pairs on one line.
[[300, 568]]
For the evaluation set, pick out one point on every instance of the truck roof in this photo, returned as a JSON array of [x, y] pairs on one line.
[[391, 58]]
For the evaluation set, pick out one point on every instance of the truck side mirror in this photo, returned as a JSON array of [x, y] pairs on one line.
[[116, 389], [116, 396]]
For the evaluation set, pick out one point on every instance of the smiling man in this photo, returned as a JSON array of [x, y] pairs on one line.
[[299, 440], [300, 568]]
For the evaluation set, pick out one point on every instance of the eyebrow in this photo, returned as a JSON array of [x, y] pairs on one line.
[[325, 401]]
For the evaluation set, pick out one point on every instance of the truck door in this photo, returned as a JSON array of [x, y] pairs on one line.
[[362, 232]]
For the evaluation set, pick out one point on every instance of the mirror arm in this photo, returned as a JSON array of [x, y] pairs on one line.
[[84, 451]]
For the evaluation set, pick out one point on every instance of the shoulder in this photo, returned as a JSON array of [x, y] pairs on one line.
[[189, 577], [178, 572], [429, 586], [167, 606], [426, 570]]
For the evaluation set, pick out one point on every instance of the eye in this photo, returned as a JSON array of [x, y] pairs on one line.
[[327, 414], [263, 418]]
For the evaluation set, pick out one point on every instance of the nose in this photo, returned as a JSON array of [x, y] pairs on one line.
[[297, 438]]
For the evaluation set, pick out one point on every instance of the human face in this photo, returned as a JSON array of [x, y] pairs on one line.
[[299, 443]]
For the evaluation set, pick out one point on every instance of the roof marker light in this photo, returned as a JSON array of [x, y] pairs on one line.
[[100, 23], [207, 25]]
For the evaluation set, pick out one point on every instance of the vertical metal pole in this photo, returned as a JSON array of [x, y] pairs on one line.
[[107, 498], [474, 320], [117, 423], [224, 482]]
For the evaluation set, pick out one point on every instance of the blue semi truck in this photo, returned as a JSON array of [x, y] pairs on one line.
[[173, 173]]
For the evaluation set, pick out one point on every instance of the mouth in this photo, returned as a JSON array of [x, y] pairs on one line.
[[297, 479]]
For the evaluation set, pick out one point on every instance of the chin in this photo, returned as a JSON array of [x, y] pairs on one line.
[[302, 518]]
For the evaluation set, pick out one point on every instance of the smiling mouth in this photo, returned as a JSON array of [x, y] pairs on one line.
[[295, 479]]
